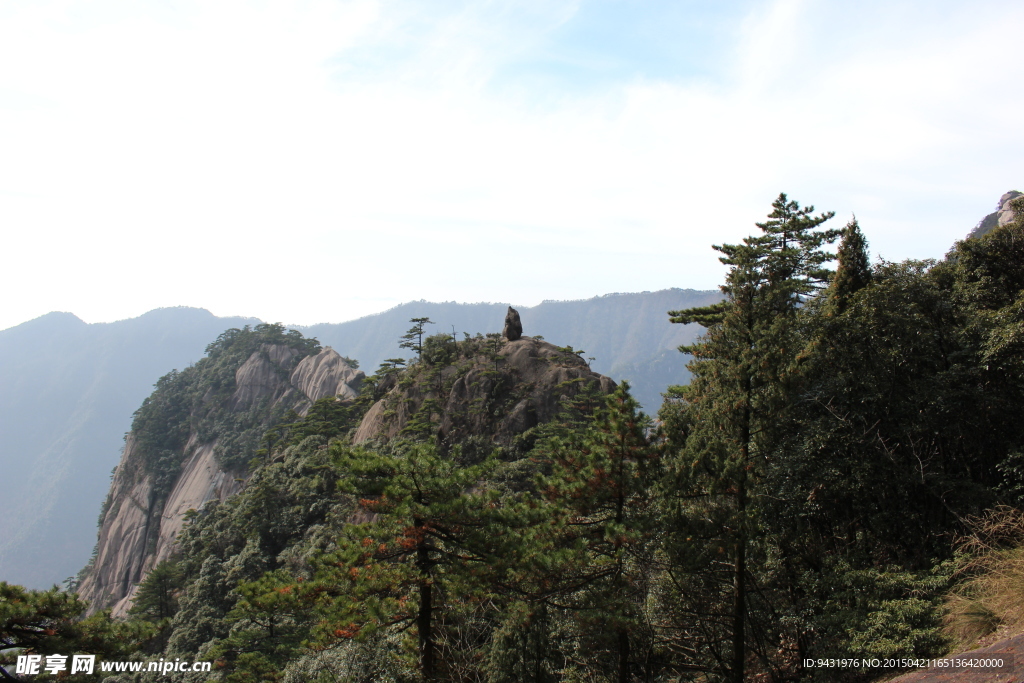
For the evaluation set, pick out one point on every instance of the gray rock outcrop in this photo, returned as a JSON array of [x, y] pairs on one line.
[[326, 374], [513, 325], [500, 395], [138, 530], [260, 375], [1003, 214]]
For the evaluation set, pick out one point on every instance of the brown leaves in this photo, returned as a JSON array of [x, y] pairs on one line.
[[348, 632]]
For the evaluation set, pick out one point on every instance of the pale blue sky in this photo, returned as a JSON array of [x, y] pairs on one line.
[[316, 161]]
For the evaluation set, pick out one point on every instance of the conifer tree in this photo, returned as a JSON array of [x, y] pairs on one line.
[[853, 272], [157, 596], [413, 338], [423, 554], [591, 548], [39, 623], [743, 372]]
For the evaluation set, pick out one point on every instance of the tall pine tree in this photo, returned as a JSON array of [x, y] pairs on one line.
[[596, 545], [421, 556], [744, 369], [854, 270]]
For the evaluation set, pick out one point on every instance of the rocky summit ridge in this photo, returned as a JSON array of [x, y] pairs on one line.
[[142, 516], [1005, 212], [70, 389], [484, 387], [194, 439]]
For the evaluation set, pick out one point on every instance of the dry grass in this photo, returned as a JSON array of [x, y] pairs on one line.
[[989, 597]]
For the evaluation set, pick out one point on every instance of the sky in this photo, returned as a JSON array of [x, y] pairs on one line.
[[312, 161]]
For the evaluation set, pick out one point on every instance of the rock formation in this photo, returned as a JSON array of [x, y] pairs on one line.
[[496, 389], [1003, 214], [513, 325], [139, 527], [326, 374]]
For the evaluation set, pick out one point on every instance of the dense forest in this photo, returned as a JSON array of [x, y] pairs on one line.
[[840, 479]]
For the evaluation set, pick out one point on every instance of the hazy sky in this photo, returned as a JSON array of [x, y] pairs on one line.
[[316, 161]]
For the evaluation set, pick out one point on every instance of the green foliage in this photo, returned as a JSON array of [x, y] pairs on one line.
[[161, 426], [876, 425], [889, 436], [328, 417], [522, 648], [853, 272], [568, 349], [797, 499], [268, 626], [157, 596], [49, 622], [899, 627], [413, 338], [592, 557], [736, 414], [198, 399], [427, 545], [874, 611], [440, 349]]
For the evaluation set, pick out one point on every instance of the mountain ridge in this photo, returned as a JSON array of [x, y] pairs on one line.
[[70, 388]]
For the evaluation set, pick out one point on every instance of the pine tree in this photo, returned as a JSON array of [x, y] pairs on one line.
[[413, 338], [157, 596], [854, 270], [423, 556], [591, 548], [743, 373], [269, 625], [39, 623]]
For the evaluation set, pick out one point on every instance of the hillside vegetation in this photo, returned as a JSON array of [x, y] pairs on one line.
[[806, 496], [70, 389], [67, 397]]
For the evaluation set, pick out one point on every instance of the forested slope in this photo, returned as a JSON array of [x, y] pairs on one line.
[[193, 440], [69, 390], [805, 498], [67, 395]]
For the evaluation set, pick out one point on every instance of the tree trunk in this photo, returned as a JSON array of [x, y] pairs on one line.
[[623, 656], [739, 612], [739, 583], [426, 637], [423, 618]]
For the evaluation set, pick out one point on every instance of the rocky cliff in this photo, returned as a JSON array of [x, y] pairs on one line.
[[67, 394], [1003, 214], [192, 439], [69, 389], [218, 409], [480, 386]]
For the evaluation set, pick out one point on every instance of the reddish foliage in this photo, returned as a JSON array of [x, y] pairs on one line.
[[349, 631]]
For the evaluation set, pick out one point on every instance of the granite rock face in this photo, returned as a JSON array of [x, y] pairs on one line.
[[498, 395], [260, 375], [1003, 214], [326, 374], [138, 530]]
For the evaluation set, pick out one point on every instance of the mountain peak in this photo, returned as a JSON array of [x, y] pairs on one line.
[[1001, 216]]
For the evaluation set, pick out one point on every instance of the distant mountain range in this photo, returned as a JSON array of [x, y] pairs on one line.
[[628, 335], [68, 390]]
